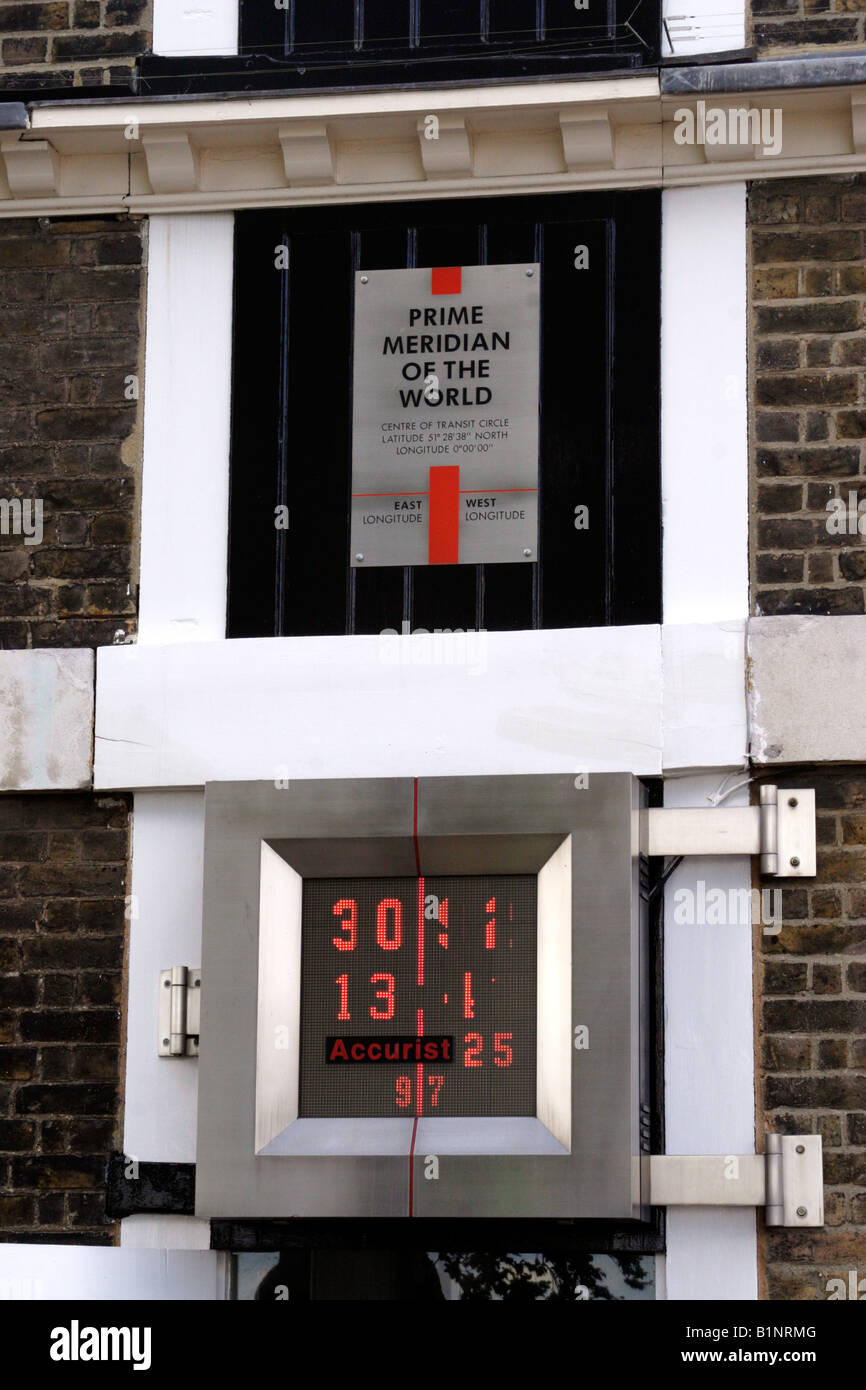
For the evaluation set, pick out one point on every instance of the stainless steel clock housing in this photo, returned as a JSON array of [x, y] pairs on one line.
[[580, 1155]]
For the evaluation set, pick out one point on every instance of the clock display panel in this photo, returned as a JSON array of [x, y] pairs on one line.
[[418, 996]]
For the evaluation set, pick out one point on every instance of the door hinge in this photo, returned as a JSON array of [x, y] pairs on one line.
[[781, 829], [787, 1180], [179, 1011]]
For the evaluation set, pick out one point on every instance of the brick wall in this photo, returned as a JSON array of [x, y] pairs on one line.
[[808, 372], [70, 309], [812, 1027], [65, 43], [808, 392], [70, 338], [62, 885], [783, 26]]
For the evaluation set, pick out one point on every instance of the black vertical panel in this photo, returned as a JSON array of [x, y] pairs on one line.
[[445, 595], [574, 435], [387, 22], [323, 23], [458, 20], [378, 599], [509, 591], [318, 432], [636, 562], [255, 426], [514, 20]]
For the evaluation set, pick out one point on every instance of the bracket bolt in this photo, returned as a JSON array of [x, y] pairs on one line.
[[529, 274], [359, 556], [365, 279], [792, 801], [527, 552], [801, 1211], [800, 1149], [795, 863]]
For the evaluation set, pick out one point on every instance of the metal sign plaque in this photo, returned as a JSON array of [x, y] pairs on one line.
[[445, 416]]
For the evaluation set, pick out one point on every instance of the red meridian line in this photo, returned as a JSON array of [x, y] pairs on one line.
[[421, 930], [412, 1166], [444, 525], [419, 1070]]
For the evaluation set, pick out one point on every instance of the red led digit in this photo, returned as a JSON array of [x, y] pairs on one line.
[[436, 1087], [350, 925], [468, 1001], [490, 925], [395, 940], [472, 1055], [344, 1015], [503, 1053], [443, 922], [404, 1091], [387, 994]]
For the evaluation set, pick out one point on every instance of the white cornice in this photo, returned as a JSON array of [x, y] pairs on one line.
[[242, 152]]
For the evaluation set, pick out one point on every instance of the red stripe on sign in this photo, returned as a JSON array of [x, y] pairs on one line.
[[444, 514], [447, 279]]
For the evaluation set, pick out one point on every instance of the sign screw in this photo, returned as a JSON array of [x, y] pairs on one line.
[[529, 274], [527, 552], [795, 863], [801, 1211], [792, 801], [365, 279], [359, 556], [800, 1149]]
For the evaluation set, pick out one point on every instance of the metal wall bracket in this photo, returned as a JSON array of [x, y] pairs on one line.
[[787, 1180], [781, 829], [179, 1011]]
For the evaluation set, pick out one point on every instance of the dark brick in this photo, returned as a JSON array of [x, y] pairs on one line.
[[66, 1100], [74, 47], [17, 51], [779, 569], [21, 18], [85, 423], [62, 1171], [812, 1015], [17, 990], [857, 1129], [808, 388], [827, 316], [16, 1136], [786, 33], [832, 1054], [785, 978], [835, 462], [778, 356], [87, 1025], [818, 1092], [826, 979], [851, 424], [777, 427], [857, 977], [806, 245], [787, 1054]]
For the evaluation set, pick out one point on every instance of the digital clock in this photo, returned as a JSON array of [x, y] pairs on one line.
[[418, 996]]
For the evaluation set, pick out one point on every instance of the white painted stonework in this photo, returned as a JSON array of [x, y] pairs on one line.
[[187, 398], [46, 718], [799, 668], [187, 28], [106, 1274]]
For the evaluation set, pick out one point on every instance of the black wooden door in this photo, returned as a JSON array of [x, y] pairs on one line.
[[599, 416]]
